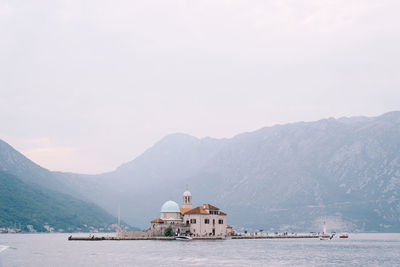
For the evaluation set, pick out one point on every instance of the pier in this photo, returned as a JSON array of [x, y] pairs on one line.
[[104, 238], [278, 236], [101, 238]]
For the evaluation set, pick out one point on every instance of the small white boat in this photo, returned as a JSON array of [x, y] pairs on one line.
[[183, 238], [324, 235], [327, 237]]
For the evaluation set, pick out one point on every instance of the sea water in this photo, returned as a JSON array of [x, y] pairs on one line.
[[56, 250]]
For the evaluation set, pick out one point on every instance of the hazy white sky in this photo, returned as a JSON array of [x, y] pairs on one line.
[[88, 85]]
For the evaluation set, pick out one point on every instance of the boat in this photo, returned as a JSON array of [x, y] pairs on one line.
[[183, 238], [324, 235], [327, 237]]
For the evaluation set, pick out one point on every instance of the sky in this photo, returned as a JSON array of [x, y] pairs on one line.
[[88, 85]]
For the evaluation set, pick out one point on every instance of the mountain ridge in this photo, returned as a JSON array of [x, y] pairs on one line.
[[283, 176], [28, 204], [287, 177], [33, 195]]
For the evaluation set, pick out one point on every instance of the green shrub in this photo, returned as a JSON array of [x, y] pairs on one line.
[[168, 231]]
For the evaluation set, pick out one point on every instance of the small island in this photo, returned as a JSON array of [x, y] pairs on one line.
[[205, 222], [202, 222]]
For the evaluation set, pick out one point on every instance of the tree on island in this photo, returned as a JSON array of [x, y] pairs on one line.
[[168, 231]]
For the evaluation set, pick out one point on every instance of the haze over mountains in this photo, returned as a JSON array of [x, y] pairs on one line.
[[293, 176], [32, 195], [283, 178]]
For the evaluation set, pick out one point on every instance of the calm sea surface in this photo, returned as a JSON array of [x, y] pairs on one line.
[[56, 250]]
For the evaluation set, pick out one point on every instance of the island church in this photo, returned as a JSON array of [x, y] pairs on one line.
[[202, 221]]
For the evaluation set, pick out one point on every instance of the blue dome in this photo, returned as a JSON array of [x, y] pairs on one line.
[[170, 206]]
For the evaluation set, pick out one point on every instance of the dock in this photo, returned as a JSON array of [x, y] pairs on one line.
[[106, 238], [279, 236], [102, 238]]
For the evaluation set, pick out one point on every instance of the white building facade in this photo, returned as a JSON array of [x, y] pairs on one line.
[[206, 221]]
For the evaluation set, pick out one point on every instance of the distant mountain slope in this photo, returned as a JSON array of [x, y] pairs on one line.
[[293, 176], [12, 161], [24, 204], [287, 177], [30, 193], [136, 185]]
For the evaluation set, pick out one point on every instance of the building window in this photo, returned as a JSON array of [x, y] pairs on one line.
[[206, 221], [220, 221], [193, 221]]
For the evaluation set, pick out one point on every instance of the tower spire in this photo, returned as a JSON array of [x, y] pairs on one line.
[[187, 199]]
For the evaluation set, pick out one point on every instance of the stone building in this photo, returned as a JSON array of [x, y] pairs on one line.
[[202, 221], [170, 217], [206, 220]]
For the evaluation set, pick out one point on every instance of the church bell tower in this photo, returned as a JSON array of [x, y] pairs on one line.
[[187, 200]]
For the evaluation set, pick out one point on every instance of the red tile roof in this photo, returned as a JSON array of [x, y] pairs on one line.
[[210, 207], [184, 210], [197, 210], [158, 220], [201, 210]]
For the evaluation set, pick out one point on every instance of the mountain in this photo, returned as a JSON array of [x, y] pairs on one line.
[[24, 204], [32, 195], [13, 162], [288, 177], [140, 187]]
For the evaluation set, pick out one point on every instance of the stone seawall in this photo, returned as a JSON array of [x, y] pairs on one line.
[[104, 238], [71, 238], [280, 236], [118, 239]]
